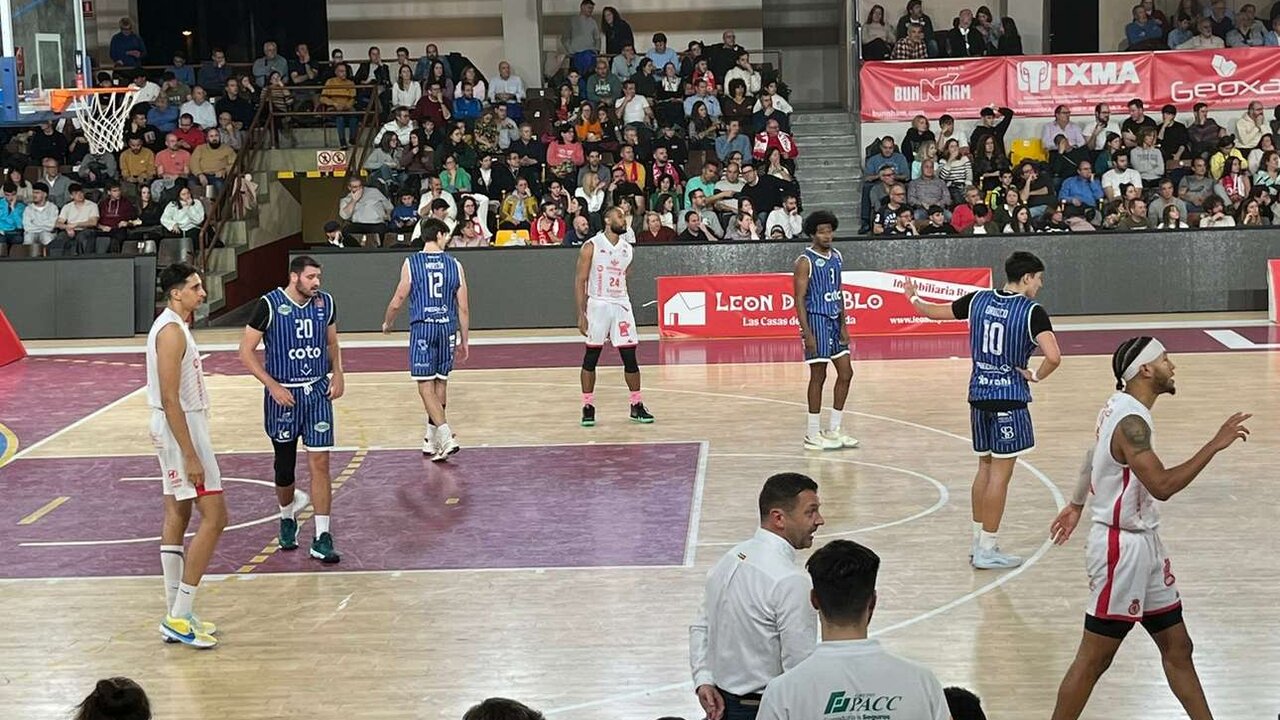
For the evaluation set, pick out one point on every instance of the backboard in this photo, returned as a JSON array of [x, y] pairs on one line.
[[43, 49]]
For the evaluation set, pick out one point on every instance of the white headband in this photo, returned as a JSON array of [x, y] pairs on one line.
[[1150, 353]]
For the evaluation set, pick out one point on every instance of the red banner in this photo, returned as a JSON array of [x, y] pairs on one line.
[[1273, 286], [902, 90], [1033, 85], [763, 305]]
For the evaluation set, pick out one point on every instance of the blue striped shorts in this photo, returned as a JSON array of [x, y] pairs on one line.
[[310, 418], [1002, 433]]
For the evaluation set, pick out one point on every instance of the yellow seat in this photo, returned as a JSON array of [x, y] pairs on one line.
[[506, 238], [1027, 149]]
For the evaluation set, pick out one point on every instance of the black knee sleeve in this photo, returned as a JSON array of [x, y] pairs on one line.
[[1115, 629], [1159, 623], [286, 458], [591, 358], [629, 363]]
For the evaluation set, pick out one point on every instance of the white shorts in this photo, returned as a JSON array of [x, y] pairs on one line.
[[611, 321], [1129, 575], [170, 454]]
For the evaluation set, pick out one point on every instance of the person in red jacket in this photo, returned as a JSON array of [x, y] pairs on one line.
[[115, 216], [190, 136], [773, 137], [549, 228]]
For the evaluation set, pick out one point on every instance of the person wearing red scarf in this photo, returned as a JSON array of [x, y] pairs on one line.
[[772, 137]]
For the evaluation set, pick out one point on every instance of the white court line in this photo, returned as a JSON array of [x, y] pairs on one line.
[[75, 424], [944, 495], [1233, 340], [695, 509]]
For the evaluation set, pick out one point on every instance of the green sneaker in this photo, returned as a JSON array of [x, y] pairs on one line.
[[322, 549], [288, 534]]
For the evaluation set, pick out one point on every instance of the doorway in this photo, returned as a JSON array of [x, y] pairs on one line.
[[1073, 26]]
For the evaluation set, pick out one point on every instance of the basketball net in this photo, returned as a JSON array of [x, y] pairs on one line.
[[102, 116]]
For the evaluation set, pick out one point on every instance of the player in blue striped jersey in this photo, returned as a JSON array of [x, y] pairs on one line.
[[439, 321], [1005, 328], [298, 326], [820, 310]]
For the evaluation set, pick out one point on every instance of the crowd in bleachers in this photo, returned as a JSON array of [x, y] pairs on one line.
[[1141, 173], [973, 33]]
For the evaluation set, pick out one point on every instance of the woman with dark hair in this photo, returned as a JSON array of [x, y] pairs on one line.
[[383, 163], [1112, 146], [702, 128], [690, 61], [737, 105], [984, 23], [116, 698], [877, 36], [438, 74], [566, 104], [645, 79], [988, 161], [1009, 40], [617, 32], [1020, 222], [670, 96]]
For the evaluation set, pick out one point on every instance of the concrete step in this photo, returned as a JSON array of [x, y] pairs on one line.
[[831, 181], [801, 118], [835, 135], [828, 150], [826, 196], [813, 165]]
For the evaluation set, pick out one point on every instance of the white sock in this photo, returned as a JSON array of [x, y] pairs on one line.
[[815, 422], [183, 602], [444, 433], [430, 435], [322, 524], [977, 531], [986, 540], [834, 420], [287, 511], [172, 562]]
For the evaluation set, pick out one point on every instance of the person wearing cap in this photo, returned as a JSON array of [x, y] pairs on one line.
[[1130, 580], [989, 126], [937, 224]]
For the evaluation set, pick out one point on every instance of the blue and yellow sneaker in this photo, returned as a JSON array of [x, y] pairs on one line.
[[203, 626], [187, 631]]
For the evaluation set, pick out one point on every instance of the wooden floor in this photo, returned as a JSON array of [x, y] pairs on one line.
[[611, 643]]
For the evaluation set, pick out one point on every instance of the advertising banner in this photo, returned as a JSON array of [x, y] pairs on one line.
[[1033, 85], [763, 305]]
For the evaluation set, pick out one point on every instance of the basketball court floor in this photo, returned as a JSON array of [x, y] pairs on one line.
[[561, 565]]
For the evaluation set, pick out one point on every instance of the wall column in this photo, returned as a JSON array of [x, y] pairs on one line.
[[522, 39]]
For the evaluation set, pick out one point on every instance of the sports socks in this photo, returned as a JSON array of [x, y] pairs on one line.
[[635, 397], [322, 524], [172, 562], [185, 599], [588, 398], [444, 432], [986, 540], [814, 424], [977, 531], [287, 511], [834, 420]]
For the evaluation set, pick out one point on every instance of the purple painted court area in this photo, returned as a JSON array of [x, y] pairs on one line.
[[523, 507], [41, 395]]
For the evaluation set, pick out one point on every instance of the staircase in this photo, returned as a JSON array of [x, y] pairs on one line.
[[829, 167]]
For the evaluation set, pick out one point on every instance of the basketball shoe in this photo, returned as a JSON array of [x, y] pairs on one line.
[[640, 414], [203, 626], [289, 526], [822, 442], [445, 446], [993, 559], [588, 416], [322, 549], [187, 631], [838, 436]]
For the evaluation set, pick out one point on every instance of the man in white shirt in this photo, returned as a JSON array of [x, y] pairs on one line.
[[77, 226], [400, 124], [507, 90], [632, 108], [849, 673], [786, 217], [200, 109], [1250, 127], [1100, 127], [1119, 174], [756, 620], [146, 90]]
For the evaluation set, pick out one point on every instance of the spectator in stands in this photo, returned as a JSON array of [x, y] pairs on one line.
[[903, 224], [48, 143], [1265, 145], [617, 32], [172, 163], [422, 69], [662, 55], [549, 228], [764, 191], [1250, 127], [39, 219], [518, 208], [508, 90], [886, 215], [182, 72], [918, 133], [724, 55], [439, 73], [1248, 30], [962, 216], [1214, 214], [76, 226], [733, 140], [702, 95], [200, 109], [1249, 213], [1133, 125], [1061, 125], [214, 73], [742, 227], [983, 222], [472, 75], [1135, 217], [695, 230], [774, 137], [1171, 219], [1119, 175], [988, 126], [57, 185], [127, 47], [137, 165], [434, 190], [988, 162], [1147, 159], [406, 92], [603, 86], [633, 109], [162, 115], [1100, 127], [1144, 33], [466, 106], [1184, 30], [212, 160], [115, 216], [700, 204], [625, 63], [937, 224], [955, 167], [915, 16], [1197, 187], [1268, 173], [1081, 192], [964, 39], [1206, 37], [663, 165], [911, 46], [744, 71], [183, 216], [271, 61], [16, 176], [303, 70], [240, 107], [376, 73], [11, 210], [877, 37], [1235, 180], [769, 111], [963, 704], [703, 128], [582, 40], [1272, 37], [1204, 132], [404, 217], [1163, 199], [1174, 142], [984, 23], [928, 190], [365, 209], [433, 107], [1008, 40], [339, 97], [787, 217], [1035, 190], [189, 135], [1020, 222], [565, 155], [1226, 150]]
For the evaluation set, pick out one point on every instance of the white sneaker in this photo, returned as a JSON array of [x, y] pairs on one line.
[[822, 442], [446, 447], [838, 436], [993, 559], [428, 446]]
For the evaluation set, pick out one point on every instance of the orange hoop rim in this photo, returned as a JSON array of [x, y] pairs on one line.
[[60, 98]]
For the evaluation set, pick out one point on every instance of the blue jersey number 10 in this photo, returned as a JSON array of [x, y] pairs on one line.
[[992, 337]]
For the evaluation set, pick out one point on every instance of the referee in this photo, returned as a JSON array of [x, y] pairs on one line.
[[756, 620]]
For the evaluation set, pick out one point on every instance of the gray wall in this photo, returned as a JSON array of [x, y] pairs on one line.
[[78, 297], [1087, 274]]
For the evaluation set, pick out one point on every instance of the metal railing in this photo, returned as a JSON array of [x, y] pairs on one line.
[[772, 60]]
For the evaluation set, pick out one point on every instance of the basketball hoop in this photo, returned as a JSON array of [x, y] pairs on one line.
[[101, 112]]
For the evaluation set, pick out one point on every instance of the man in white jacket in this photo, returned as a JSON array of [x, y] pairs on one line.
[[39, 219]]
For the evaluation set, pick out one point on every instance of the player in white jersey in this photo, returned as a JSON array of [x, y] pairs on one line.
[[604, 312], [1130, 577], [180, 430]]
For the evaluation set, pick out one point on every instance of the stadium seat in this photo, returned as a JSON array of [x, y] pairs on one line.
[[506, 238], [1027, 149]]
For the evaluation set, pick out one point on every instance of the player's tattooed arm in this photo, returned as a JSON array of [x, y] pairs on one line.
[[1137, 435]]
